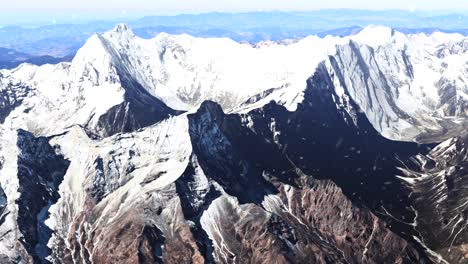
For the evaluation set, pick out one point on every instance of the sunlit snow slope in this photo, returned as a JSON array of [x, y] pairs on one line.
[[406, 84]]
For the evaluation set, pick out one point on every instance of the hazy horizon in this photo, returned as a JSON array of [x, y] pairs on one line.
[[30, 12], [42, 19], [20, 6]]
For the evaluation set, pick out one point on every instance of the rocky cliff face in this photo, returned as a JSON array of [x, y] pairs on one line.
[[157, 151], [209, 203], [302, 212], [438, 194], [40, 170]]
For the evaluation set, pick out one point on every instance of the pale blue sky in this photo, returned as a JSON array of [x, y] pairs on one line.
[[20, 6], [36, 12]]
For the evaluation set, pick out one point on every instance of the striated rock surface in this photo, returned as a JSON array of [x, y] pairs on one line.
[[438, 186]]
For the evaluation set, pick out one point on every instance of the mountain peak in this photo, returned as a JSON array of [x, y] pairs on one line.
[[375, 35], [122, 28], [121, 32], [93, 50]]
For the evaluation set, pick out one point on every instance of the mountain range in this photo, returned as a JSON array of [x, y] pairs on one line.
[[179, 149], [62, 38]]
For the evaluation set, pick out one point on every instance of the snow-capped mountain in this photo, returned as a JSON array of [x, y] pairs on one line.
[[412, 83], [181, 149]]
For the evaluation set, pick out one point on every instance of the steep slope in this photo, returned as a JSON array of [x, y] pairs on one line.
[[192, 189], [150, 197], [106, 182], [305, 233], [406, 91], [330, 141], [92, 91], [438, 186], [116, 201], [29, 195]]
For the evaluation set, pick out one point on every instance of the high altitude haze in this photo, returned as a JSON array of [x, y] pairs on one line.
[[34, 13], [212, 5]]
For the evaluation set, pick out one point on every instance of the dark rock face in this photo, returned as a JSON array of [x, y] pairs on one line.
[[452, 103], [220, 158], [11, 96], [361, 68], [98, 191], [439, 194], [328, 141], [3, 204], [313, 221], [139, 110], [194, 200], [40, 172]]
